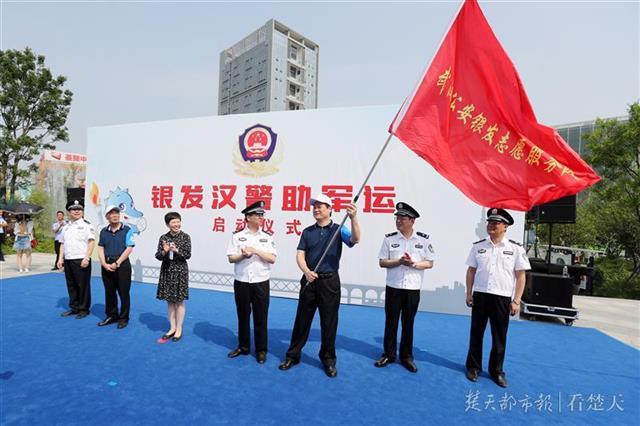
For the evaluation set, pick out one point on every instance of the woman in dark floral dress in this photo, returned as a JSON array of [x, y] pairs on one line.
[[174, 248]]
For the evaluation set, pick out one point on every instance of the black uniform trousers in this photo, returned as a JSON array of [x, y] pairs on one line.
[[78, 285], [56, 247], [496, 310], [323, 294], [252, 296], [2, 242], [117, 283], [399, 304]]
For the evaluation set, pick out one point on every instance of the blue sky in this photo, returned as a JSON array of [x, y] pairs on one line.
[[146, 61]]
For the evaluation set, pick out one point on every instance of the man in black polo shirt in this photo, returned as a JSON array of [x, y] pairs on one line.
[[114, 247], [320, 289]]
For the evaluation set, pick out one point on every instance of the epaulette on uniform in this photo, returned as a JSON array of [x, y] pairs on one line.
[[270, 233], [238, 230], [86, 221], [391, 234], [515, 242], [476, 242], [423, 235]]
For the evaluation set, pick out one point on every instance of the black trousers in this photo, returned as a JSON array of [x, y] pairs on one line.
[[56, 247], [117, 283], [495, 309], [1, 242], [78, 285], [399, 304], [323, 294], [252, 296]]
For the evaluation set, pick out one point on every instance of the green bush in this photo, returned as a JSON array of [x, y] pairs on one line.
[[611, 279]]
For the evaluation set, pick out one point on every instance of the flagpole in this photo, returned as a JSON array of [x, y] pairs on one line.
[[355, 200]]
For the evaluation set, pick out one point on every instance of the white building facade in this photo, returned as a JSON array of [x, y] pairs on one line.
[[272, 69]]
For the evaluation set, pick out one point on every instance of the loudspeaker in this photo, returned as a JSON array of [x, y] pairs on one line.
[[548, 290], [75, 194], [562, 210]]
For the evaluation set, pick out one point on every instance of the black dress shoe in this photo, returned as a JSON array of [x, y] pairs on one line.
[[167, 336], [237, 352], [500, 380], [82, 315], [383, 361], [330, 371], [176, 338], [287, 364], [106, 321], [261, 357], [472, 374], [409, 365], [69, 313], [123, 323]]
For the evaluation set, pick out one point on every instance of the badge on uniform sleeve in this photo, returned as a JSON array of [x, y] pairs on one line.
[[430, 248]]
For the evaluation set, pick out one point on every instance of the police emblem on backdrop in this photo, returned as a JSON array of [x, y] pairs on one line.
[[257, 153]]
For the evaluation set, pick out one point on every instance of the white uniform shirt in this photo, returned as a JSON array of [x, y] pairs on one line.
[[57, 228], [252, 269], [75, 237], [2, 227], [496, 266], [394, 246]]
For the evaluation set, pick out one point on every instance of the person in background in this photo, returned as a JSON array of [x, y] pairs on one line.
[[56, 228], [23, 231], [3, 226]]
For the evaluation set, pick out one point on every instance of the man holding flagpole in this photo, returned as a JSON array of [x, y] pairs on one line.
[[318, 258]]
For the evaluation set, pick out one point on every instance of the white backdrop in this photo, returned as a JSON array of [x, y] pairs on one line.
[[313, 148]]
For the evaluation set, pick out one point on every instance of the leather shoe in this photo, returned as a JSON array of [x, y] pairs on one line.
[[236, 352], [106, 321], [500, 380], [330, 371], [472, 374], [287, 364], [123, 323], [261, 357], [383, 361], [409, 365], [69, 313], [82, 315], [176, 338], [167, 336]]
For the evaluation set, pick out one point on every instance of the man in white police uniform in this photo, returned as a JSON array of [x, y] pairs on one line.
[[252, 251], [405, 254], [77, 243], [495, 282]]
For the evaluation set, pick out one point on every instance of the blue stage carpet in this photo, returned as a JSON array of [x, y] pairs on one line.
[[65, 371]]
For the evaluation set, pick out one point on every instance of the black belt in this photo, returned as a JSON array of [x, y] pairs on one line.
[[326, 275]]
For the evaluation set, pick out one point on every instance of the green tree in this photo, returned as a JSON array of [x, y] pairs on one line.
[[614, 151], [34, 107]]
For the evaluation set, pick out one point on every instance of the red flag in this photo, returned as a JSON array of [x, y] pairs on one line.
[[470, 118]]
